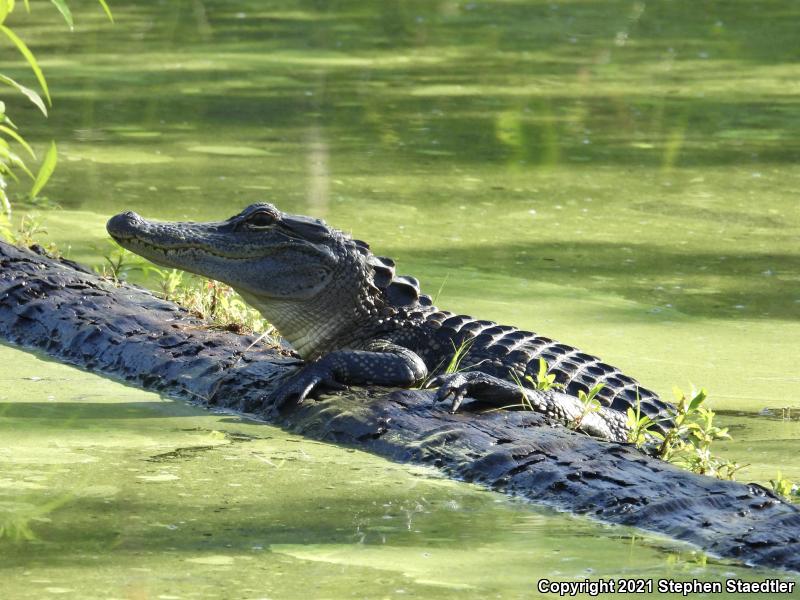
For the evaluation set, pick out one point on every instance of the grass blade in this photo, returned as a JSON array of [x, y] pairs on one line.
[[31, 94], [106, 10], [65, 11], [31, 60], [46, 170]]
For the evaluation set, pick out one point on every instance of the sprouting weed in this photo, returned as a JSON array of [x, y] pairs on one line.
[[170, 281], [544, 381], [29, 232], [783, 487], [589, 404], [640, 427], [119, 263], [688, 442]]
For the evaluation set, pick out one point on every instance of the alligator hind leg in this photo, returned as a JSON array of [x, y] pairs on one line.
[[375, 363], [604, 422]]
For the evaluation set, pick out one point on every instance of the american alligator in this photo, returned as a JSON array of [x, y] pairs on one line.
[[354, 321]]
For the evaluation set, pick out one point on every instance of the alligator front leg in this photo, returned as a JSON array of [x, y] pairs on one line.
[[379, 363], [604, 423]]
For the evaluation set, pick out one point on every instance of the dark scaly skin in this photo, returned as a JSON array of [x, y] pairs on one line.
[[355, 322]]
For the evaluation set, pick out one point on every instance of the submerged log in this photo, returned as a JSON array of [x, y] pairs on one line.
[[128, 333]]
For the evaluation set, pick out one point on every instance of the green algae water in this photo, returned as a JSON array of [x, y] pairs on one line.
[[110, 492], [621, 176]]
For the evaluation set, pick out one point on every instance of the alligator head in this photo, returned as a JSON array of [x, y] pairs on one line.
[[314, 283]]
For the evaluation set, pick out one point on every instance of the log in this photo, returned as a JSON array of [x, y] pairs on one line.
[[126, 332]]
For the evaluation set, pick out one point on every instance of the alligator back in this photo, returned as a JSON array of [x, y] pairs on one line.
[[509, 353]]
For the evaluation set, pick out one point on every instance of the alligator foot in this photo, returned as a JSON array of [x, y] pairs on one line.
[[308, 381], [603, 422]]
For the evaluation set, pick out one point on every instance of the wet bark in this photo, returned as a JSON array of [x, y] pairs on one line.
[[126, 332]]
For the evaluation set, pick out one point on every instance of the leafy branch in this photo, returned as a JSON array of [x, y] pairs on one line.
[[10, 160]]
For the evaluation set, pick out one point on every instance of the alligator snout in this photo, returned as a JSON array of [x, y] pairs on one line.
[[124, 224]]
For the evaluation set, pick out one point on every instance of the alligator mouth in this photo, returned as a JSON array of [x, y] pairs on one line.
[[148, 249], [128, 229], [154, 240]]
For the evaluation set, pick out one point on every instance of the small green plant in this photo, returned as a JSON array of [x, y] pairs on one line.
[[544, 381], [212, 300], [589, 404], [640, 427], [688, 442], [703, 433], [119, 264], [170, 281], [29, 230], [675, 439], [782, 486], [27, 233]]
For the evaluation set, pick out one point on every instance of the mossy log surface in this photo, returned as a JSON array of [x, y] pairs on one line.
[[126, 332]]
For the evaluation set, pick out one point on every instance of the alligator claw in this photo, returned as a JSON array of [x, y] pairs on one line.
[[478, 385], [305, 383], [452, 384]]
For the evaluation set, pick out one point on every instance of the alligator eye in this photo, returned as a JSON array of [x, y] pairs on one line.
[[261, 219]]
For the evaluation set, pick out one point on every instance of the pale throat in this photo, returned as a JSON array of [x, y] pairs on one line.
[[312, 327]]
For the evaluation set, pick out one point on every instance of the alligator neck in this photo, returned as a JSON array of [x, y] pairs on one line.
[[313, 328]]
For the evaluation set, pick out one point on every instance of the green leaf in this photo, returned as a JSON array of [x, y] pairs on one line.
[[697, 400], [46, 170], [64, 10], [15, 160], [542, 369], [20, 140], [107, 10], [31, 94], [31, 60], [7, 170]]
